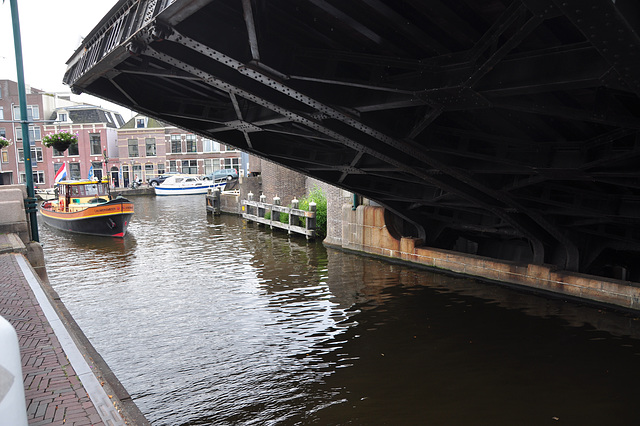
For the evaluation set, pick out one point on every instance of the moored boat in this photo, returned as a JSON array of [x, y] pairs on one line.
[[46, 194], [186, 185], [86, 207]]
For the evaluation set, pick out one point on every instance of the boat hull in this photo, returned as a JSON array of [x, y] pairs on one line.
[[110, 219], [185, 190]]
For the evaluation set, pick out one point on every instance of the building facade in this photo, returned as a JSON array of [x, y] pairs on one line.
[[148, 148], [107, 146], [40, 108], [96, 153]]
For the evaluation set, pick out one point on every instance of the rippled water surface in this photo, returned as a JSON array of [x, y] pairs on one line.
[[213, 321]]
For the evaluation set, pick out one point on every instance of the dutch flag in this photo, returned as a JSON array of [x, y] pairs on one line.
[[62, 173]]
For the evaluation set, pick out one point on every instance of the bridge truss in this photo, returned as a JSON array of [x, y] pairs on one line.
[[505, 128]]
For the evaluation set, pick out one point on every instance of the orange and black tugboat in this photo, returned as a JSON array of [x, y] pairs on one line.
[[86, 207]]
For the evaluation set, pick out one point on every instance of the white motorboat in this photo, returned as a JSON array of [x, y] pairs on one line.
[[187, 185], [47, 194]]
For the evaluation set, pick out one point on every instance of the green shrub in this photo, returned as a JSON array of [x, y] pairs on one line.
[[317, 196]]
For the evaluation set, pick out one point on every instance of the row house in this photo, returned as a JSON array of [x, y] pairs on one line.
[[40, 109], [96, 154], [148, 148], [107, 146]]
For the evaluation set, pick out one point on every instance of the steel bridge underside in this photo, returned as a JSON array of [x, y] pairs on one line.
[[504, 128]]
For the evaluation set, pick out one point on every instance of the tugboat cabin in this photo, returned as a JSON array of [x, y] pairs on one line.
[[77, 195]]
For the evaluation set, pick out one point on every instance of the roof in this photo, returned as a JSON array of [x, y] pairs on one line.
[[152, 123], [91, 114]]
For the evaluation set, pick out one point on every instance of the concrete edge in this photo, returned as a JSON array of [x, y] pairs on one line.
[[114, 391]]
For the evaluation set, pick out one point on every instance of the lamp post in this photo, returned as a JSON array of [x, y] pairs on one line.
[[30, 202], [106, 166]]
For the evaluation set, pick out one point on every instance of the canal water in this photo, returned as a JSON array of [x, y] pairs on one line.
[[215, 321]]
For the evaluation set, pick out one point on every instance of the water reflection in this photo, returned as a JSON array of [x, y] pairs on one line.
[[216, 321]]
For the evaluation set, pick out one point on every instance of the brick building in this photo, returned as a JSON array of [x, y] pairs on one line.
[[40, 108], [148, 147], [97, 141]]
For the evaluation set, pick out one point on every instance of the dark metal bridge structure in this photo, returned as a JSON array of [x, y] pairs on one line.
[[503, 128]]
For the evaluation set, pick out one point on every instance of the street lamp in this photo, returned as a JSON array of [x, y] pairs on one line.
[[30, 202]]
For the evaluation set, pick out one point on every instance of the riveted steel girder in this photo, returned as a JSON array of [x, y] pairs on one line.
[[489, 120]]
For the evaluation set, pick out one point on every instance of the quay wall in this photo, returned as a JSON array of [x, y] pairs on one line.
[[15, 238], [364, 230], [16, 230]]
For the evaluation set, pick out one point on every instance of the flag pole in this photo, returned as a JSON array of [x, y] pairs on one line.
[[30, 202]]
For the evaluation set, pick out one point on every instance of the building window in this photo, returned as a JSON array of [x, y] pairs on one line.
[[56, 167], [150, 144], [33, 112], [38, 176], [190, 167], [137, 171], [74, 171], [73, 150], [1, 113], [62, 117], [125, 174], [210, 146], [34, 134], [96, 169], [176, 144], [209, 165], [191, 143], [133, 147], [3, 132], [148, 171], [232, 163], [5, 156], [94, 141], [173, 166], [140, 123], [36, 155], [160, 168]]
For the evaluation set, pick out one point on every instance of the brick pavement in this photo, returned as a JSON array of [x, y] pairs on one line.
[[54, 394]]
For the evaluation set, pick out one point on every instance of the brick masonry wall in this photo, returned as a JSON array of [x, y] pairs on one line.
[[336, 197], [282, 182]]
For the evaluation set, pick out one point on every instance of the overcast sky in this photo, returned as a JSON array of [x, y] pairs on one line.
[[51, 30]]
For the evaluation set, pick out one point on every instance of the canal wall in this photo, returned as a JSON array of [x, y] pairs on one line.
[[364, 230]]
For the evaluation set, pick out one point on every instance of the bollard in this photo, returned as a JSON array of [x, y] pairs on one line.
[[311, 221], [261, 209], [249, 198], [275, 215], [217, 202], [293, 220], [13, 410]]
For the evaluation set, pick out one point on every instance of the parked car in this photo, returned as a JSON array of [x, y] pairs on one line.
[[222, 174], [157, 180]]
